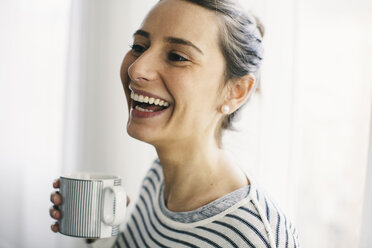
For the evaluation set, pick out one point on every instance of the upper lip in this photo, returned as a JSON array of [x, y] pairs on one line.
[[144, 93]]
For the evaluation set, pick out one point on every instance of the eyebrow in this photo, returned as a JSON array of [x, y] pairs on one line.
[[142, 33], [173, 40]]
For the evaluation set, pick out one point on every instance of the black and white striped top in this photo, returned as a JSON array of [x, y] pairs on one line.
[[253, 221]]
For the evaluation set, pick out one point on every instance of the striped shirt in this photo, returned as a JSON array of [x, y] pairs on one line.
[[252, 221]]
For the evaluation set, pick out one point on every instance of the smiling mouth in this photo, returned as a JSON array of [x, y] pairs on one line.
[[148, 104]]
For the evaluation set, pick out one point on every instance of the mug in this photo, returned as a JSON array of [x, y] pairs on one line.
[[93, 205]]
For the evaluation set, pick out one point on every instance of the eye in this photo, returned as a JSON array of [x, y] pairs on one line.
[[176, 57], [137, 49]]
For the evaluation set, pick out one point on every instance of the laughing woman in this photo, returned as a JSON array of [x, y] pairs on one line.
[[192, 66]]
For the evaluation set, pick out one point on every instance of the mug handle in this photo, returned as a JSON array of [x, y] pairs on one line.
[[114, 215]]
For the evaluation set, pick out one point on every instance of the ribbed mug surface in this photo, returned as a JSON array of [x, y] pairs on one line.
[[81, 208]]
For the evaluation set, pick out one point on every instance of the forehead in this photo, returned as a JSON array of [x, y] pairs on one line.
[[181, 19]]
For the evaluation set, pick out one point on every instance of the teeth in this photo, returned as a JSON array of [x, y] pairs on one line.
[[135, 97], [143, 110], [149, 100]]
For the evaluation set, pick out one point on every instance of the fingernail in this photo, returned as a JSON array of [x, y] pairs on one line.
[[54, 197]]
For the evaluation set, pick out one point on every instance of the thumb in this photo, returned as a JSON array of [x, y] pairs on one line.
[[128, 200]]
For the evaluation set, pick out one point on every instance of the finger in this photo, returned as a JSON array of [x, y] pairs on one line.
[[55, 213], [89, 241], [128, 200], [56, 184], [51, 212], [55, 198], [54, 227]]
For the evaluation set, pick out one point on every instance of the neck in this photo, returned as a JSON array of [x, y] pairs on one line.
[[192, 170], [186, 160]]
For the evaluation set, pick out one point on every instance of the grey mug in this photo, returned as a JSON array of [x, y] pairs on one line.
[[93, 205]]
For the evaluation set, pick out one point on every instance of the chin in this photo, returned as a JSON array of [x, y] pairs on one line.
[[143, 134], [152, 130]]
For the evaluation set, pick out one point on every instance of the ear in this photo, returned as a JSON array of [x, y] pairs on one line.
[[239, 90]]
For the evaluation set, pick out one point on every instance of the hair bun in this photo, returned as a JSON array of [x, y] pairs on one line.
[[260, 26]]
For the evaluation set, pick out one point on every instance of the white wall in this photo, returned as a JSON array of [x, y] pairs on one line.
[[32, 80], [334, 104], [366, 237]]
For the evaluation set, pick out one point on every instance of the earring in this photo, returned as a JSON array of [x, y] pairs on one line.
[[225, 109]]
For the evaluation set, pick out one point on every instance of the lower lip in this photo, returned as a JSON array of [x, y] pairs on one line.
[[140, 114]]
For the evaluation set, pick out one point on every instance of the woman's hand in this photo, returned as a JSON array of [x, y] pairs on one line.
[[54, 212], [56, 199]]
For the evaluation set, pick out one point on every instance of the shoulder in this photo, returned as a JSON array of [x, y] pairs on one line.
[[267, 214]]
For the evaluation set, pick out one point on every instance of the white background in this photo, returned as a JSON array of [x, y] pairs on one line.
[[304, 137]]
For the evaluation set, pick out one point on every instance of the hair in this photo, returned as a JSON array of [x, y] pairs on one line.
[[240, 42]]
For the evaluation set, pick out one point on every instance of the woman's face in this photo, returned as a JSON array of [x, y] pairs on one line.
[[175, 61]]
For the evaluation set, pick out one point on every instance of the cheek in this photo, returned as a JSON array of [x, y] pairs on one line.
[[194, 93], [200, 88]]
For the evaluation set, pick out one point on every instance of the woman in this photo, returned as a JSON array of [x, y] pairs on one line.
[[192, 66]]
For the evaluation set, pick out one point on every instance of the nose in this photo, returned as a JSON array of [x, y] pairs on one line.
[[144, 68]]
